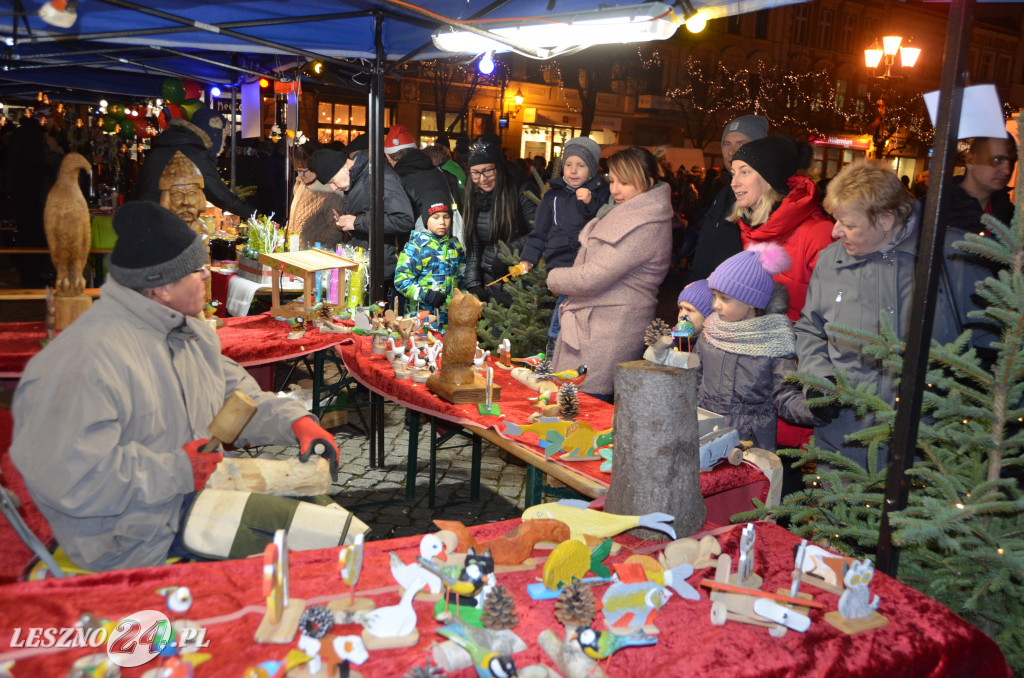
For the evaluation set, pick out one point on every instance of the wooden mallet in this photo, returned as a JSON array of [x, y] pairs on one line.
[[228, 424]]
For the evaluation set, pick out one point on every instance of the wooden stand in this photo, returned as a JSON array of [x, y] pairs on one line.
[[851, 626], [303, 265], [283, 631], [460, 394], [67, 309], [373, 642], [656, 436]]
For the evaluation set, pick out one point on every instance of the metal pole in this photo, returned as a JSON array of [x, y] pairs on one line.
[[926, 276], [375, 131], [234, 142]]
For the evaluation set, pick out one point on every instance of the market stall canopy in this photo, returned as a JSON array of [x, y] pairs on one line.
[[129, 47]]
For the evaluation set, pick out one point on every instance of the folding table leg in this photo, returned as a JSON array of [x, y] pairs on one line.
[[534, 486], [433, 462], [474, 473], [413, 417], [377, 404]]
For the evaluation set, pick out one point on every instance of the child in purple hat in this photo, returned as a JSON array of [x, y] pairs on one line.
[[746, 352], [695, 305]]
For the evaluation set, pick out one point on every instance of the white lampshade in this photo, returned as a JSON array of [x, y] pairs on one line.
[[891, 44], [872, 57], [909, 55]]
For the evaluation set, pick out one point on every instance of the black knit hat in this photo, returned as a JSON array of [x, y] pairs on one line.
[[154, 246], [360, 143], [326, 163], [485, 149], [776, 159]]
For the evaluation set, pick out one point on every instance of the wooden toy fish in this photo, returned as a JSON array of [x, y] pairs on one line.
[[637, 604], [513, 547], [572, 560], [577, 439], [583, 521]]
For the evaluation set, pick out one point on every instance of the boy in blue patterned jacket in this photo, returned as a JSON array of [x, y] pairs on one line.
[[432, 263]]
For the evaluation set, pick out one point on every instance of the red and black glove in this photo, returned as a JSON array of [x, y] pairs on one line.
[[203, 463], [313, 438]]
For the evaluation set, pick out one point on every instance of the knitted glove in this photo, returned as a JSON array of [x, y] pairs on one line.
[[203, 464], [827, 412], [435, 298], [313, 438]]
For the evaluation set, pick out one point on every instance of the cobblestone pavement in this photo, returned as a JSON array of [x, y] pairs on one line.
[[378, 495]]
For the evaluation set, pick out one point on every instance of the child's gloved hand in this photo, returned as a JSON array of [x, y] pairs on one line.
[[435, 298], [825, 412], [203, 463], [314, 439]]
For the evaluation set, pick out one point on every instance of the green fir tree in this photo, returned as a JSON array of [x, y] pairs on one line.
[[525, 323], [961, 537]]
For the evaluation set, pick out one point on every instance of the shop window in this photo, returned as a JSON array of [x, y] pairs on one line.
[[342, 122], [801, 17], [428, 126]]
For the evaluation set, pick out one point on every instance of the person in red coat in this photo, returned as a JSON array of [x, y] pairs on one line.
[[774, 204]]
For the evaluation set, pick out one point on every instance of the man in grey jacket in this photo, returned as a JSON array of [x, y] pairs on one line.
[[109, 418]]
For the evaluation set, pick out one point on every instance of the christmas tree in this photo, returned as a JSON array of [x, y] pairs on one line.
[[961, 536], [525, 323]]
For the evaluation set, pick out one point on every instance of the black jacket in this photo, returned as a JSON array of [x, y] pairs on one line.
[[718, 238], [398, 219], [482, 263], [183, 136], [423, 183], [560, 218], [965, 270]]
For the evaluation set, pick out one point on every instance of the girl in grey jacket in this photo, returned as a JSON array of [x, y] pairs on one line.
[[746, 353]]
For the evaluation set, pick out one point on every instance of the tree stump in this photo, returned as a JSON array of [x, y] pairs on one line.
[[656, 465]]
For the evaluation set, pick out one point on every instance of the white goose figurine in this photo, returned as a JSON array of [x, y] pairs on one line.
[[406, 574], [480, 357], [395, 350], [395, 620]]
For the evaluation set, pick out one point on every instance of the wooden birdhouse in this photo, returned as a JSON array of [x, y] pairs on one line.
[[305, 265]]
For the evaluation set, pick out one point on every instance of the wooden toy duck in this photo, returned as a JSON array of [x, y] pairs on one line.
[[480, 357], [394, 620], [431, 547]]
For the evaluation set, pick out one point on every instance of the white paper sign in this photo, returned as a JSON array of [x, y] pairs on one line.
[[981, 114]]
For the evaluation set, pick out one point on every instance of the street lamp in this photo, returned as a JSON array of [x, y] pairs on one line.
[[884, 57]]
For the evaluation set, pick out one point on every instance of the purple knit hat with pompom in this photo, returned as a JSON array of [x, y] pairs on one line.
[[699, 294], [747, 276]]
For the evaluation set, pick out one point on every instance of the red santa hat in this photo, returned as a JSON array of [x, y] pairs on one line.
[[398, 138]]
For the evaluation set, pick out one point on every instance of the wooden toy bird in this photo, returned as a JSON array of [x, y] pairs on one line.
[[575, 377], [405, 574], [488, 664], [603, 644], [633, 604], [515, 546], [394, 620], [583, 521], [532, 361], [464, 581]]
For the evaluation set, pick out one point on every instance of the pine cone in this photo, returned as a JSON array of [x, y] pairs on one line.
[[655, 331], [428, 670], [323, 312], [499, 610], [543, 367], [568, 401], [575, 605]]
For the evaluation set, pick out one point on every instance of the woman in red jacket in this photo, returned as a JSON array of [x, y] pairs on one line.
[[773, 204]]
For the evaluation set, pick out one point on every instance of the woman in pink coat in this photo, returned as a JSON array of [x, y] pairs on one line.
[[612, 286], [775, 205]]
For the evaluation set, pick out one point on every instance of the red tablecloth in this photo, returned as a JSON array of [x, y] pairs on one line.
[[923, 637], [730, 486], [250, 340]]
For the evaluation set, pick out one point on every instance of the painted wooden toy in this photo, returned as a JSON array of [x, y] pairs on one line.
[[600, 645], [487, 663], [673, 578], [406, 574], [350, 565], [282, 617], [514, 547], [576, 440], [531, 361], [505, 355], [857, 609], [584, 521], [574, 377], [825, 570], [699, 554], [396, 623], [572, 560], [633, 605], [465, 581]]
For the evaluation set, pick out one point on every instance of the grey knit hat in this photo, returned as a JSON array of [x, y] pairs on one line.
[[586, 149], [154, 246], [754, 127]]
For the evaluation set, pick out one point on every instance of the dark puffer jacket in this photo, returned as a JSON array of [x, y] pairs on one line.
[[183, 136], [718, 238], [560, 218], [482, 262], [422, 182], [398, 219]]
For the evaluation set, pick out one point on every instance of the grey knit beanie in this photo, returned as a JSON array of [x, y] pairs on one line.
[[586, 149], [154, 246], [754, 127]]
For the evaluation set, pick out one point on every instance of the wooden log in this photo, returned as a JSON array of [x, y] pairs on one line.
[[283, 477], [69, 308], [656, 466], [528, 377]]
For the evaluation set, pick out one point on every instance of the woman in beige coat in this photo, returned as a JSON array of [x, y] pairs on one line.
[[612, 287]]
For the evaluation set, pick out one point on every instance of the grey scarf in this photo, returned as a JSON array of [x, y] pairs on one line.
[[768, 335]]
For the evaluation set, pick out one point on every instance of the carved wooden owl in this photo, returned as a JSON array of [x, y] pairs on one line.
[[66, 222], [856, 601]]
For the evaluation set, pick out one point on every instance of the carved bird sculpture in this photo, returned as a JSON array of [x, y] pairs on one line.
[[513, 547], [66, 222], [601, 644], [568, 376], [488, 663], [394, 620], [406, 574], [532, 361]]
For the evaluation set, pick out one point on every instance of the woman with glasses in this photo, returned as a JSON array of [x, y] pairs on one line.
[[496, 210], [612, 287], [313, 205]]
